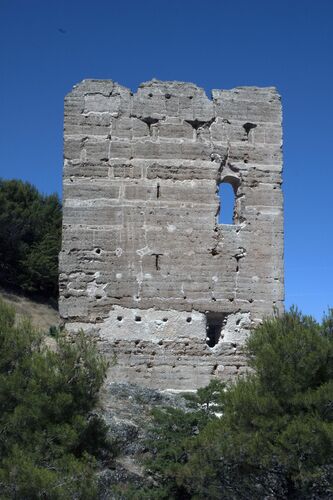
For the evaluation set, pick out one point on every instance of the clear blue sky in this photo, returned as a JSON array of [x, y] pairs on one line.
[[48, 46]]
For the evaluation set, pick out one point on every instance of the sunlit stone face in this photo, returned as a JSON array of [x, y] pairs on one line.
[[146, 267]]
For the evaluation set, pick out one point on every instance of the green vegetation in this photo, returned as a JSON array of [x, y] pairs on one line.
[[270, 435], [30, 231], [49, 438], [275, 437]]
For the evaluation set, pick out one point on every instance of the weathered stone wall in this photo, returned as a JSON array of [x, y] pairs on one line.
[[145, 266]]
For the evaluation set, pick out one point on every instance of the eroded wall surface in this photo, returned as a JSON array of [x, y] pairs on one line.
[[145, 267]]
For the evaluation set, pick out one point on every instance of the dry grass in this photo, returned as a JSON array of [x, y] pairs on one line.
[[42, 315]]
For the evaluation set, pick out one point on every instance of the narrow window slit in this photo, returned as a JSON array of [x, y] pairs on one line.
[[227, 210], [157, 191]]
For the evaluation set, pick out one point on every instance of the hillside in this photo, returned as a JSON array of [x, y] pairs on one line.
[[41, 314]]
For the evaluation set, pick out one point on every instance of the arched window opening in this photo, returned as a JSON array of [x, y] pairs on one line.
[[227, 197]]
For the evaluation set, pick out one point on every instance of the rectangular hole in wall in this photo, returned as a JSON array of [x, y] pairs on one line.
[[214, 325]]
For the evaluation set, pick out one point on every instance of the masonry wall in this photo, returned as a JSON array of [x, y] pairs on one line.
[[145, 267]]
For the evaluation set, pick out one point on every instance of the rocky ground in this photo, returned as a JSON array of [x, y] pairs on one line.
[[127, 410]]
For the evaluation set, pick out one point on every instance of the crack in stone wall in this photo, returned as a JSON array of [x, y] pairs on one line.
[[140, 233]]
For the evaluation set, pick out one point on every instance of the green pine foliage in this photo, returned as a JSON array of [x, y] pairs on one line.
[[275, 436], [30, 233], [50, 439]]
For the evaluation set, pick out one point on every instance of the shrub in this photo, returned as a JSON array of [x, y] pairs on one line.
[[49, 439]]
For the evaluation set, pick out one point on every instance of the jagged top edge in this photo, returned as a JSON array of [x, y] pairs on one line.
[[173, 84]]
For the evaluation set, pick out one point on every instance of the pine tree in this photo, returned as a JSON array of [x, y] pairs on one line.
[[30, 233], [275, 437], [50, 437]]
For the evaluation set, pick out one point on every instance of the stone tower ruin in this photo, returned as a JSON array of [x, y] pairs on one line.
[[169, 293]]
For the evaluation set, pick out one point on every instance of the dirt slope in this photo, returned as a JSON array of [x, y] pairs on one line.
[[41, 314]]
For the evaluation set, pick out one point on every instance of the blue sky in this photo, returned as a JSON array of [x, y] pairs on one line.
[[48, 46]]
